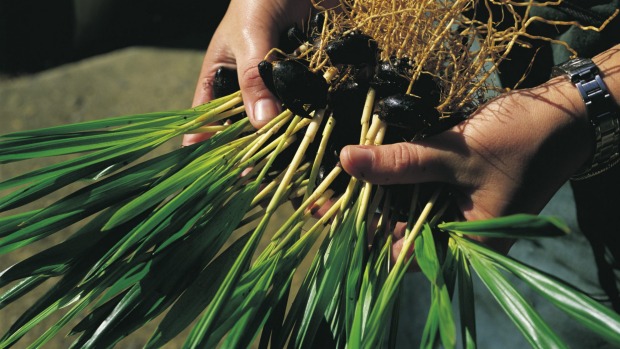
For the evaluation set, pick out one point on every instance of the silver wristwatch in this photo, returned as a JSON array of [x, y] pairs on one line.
[[602, 111]]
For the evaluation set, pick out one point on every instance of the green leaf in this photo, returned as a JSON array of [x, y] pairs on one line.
[[60, 295], [375, 273], [202, 328], [295, 313], [9, 224], [354, 276], [587, 311], [45, 224], [212, 163], [54, 177], [426, 256], [24, 149], [23, 287], [242, 334], [466, 297], [99, 124], [528, 321], [515, 226], [197, 296], [330, 274], [178, 262], [51, 262], [377, 324], [440, 319]]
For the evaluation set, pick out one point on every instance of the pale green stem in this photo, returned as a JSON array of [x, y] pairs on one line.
[[366, 192], [301, 191], [439, 214], [412, 233], [263, 136], [385, 218], [212, 115], [365, 200], [209, 129], [264, 151], [232, 112], [271, 187], [351, 187], [372, 131], [319, 225], [318, 159], [367, 113], [320, 189], [308, 137], [252, 170], [412, 207], [376, 200], [282, 243]]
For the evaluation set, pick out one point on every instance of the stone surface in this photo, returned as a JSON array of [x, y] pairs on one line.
[[128, 81]]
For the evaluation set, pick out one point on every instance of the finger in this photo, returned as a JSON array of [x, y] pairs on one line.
[[218, 55], [189, 139], [400, 163], [214, 59], [260, 104]]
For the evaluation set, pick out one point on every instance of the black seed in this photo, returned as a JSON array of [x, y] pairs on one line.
[[316, 26], [346, 100], [225, 82], [427, 89], [354, 48], [407, 111], [292, 39], [297, 86], [265, 70], [392, 77]]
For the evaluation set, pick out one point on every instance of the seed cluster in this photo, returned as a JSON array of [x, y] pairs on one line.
[[351, 67], [428, 62]]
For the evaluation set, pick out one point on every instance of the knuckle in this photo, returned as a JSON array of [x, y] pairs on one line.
[[250, 79], [402, 158]]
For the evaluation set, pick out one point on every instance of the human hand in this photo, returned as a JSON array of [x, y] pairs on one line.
[[248, 31], [511, 156]]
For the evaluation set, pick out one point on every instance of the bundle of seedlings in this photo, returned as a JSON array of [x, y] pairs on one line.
[[178, 234]]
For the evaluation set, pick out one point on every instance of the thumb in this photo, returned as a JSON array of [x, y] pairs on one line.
[[399, 163]]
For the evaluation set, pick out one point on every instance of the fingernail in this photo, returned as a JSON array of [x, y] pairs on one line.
[[265, 110], [361, 156], [359, 161]]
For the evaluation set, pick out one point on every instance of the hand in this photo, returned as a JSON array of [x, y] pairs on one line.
[[248, 31], [511, 156]]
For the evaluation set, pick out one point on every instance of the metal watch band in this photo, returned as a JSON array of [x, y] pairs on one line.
[[602, 111]]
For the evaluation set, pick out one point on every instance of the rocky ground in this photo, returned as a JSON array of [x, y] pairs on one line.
[[131, 80]]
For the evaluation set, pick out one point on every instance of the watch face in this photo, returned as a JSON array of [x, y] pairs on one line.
[[579, 69], [577, 63]]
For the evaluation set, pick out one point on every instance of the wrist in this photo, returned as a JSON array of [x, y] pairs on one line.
[[567, 126], [602, 113]]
